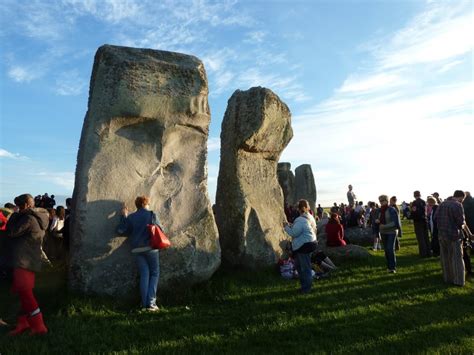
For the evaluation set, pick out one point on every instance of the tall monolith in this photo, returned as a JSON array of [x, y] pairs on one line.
[[286, 179], [305, 187], [249, 201], [145, 133]]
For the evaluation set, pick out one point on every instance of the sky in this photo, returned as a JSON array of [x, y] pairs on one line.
[[381, 92]]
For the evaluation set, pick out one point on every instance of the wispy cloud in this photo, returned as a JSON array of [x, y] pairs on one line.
[[70, 83], [213, 144], [388, 126], [62, 179], [9, 155], [24, 74]]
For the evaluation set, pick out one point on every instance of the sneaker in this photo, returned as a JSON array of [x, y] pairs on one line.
[[392, 271], [153, 308]]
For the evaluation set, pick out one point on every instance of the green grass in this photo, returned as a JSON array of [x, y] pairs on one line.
[[360, 309]]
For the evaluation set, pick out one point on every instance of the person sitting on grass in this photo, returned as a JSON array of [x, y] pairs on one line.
[[26, 230], [303, 234], [148, 261], [335, 232]]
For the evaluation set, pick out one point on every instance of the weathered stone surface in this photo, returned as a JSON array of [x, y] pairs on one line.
[[359, 236], [145, 133], [350, 251], [305, 188], [286, 179], [249, 212]]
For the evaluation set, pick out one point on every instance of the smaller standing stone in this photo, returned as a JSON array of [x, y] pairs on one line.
[[286, 179], [305, 188]]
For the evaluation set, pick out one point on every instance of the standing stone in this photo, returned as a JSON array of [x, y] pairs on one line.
[[286, 179], [249, 214], [145, 133], [305, 188]]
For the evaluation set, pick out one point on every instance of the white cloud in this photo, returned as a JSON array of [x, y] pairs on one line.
[[397, 127], [6, 154], [213, 144], [255, 37], [23, 74], [70, 83], [62, 179], [442, 32]]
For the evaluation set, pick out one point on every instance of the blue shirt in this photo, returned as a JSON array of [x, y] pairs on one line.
[[135, 226]]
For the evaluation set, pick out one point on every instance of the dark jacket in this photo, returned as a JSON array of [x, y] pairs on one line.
[[26, 231], [392, 221], [418, 212], [468, 206]]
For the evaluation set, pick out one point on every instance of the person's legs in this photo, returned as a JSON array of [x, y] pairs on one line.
[[144, 272], [153, 260], [389, 248], [31, 317], [458, 263], [444, 258], [304, 266]]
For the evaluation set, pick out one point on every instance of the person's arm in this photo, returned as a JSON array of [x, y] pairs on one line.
[[459, 216], [296, 230], [19, 226]]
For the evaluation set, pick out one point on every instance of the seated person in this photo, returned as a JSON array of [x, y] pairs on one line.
[[335, 232]]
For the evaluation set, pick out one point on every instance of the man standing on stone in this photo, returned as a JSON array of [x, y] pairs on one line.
[[418, 214], [450, 220], [351, 197]]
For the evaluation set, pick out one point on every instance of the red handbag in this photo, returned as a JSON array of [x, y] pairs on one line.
[[158, 239]]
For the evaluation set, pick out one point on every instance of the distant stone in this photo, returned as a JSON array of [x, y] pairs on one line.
[[249, 201], [286, 179], [350, 251], [305, 187], [145, 133], [359, 236]]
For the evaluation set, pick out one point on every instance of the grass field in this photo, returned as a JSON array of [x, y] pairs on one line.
[[360, 309]]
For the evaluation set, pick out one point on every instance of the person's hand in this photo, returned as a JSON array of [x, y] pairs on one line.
[[124, 211], [377, 221]]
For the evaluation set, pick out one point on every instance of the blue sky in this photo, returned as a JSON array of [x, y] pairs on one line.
[[381, 92]]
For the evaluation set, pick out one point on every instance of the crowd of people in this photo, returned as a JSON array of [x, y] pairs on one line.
[[33, 232], [442, 228]]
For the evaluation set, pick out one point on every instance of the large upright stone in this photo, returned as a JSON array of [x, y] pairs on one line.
[[249, 214], [145, 133], [305, 188], [286, 179]]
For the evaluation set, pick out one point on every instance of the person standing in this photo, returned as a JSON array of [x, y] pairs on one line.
[[26, 230], [351, 197], [148, 262], [393, 203], [303, 234], [433, 227], [418, 214], [468, 205], [389, 225], [449, 218]]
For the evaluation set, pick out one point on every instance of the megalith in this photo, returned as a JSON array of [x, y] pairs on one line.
[[305, 188], [249, 201], [145, 133], [286, 179]]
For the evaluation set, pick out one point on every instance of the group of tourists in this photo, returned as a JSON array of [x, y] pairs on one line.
[[23, 228]]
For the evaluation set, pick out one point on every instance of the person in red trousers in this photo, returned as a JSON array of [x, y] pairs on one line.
[[25, 230], [335, 232]]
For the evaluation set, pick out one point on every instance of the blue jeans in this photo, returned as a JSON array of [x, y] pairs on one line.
[[149, 269], [389, 248], [303, 266]]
